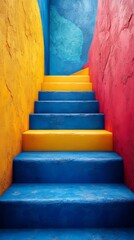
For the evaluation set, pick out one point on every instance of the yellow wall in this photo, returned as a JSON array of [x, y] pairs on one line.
[[21, 74]]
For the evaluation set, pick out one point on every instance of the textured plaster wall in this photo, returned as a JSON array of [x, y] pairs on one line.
[[21, 74], [111, 62], [45, 15], [71, 30]]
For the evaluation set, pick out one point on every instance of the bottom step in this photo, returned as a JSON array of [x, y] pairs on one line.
[[68, 234]]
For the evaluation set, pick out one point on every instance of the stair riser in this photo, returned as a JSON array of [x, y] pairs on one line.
[[66, 107], [64, 141], [66, 96], [59, 214], [68, 171], [66, 122], [67, 79], [66, 86]]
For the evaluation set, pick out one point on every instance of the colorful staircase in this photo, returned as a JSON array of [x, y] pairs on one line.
[[67, 182]]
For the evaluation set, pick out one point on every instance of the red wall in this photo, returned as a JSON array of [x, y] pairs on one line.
[[111, 63]]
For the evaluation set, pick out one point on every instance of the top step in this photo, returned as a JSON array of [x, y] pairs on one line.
[[73, 78]]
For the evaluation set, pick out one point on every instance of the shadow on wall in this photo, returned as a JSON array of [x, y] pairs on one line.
[[70, 24], [111, 63]]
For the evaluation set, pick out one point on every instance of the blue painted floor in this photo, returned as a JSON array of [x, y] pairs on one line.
[[67, 234]]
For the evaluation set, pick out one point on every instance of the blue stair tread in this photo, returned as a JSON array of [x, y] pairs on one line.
[[76, 167], [90, 95], [67, 101], [67, 234], [68, 193], [66, 121], [79, 156], [68, 106], [67, 206], [67, 114]]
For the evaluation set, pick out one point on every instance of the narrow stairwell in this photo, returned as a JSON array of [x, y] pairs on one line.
[[67, 182]]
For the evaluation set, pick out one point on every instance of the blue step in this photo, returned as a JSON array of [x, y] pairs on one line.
[[68, 167], [66, 121], [66, 107], [66, 96], [67, 234], [67, 206]]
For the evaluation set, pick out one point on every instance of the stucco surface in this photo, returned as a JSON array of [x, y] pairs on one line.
[[66, 47], [111, 62], [71, 31], [21, 74]]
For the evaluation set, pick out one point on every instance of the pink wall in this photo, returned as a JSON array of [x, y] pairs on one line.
[[111, 63]]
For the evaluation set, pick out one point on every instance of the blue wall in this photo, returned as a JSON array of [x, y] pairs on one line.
[[68, 29], [45, 13], [71, 30]]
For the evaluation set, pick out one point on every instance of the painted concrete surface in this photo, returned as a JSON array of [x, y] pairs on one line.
[[67, 140], [90, 95], [45, 15], [66, 106], [70, 79], [68, 234], [71, 30], [68, 47], [67, 86], [68, 167], [21, 74], [111, 63], [67, 205], [66, 121]]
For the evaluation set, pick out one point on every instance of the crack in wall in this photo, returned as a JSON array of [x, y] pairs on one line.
[[127, 25]]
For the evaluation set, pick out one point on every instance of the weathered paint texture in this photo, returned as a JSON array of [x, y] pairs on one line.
[[44, 10], [71, 30], [111, 63], [68, 234], [21, 74], [67, 206], [68, 28], [76, 167]]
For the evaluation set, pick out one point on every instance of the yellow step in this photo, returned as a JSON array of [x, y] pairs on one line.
[[84, 71], [63, 79], [59, 86], [67, 140]]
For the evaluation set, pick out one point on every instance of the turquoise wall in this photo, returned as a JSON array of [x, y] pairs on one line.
[[68, 30], [45, 16]]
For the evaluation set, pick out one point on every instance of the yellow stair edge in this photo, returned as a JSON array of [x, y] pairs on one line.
[[84, 71], [67, 140], [75, 78], [58, 86]]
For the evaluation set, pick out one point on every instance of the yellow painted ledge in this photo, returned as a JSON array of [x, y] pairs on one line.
[[84, 71], [67, 140], [79, 78], [58, 86]]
